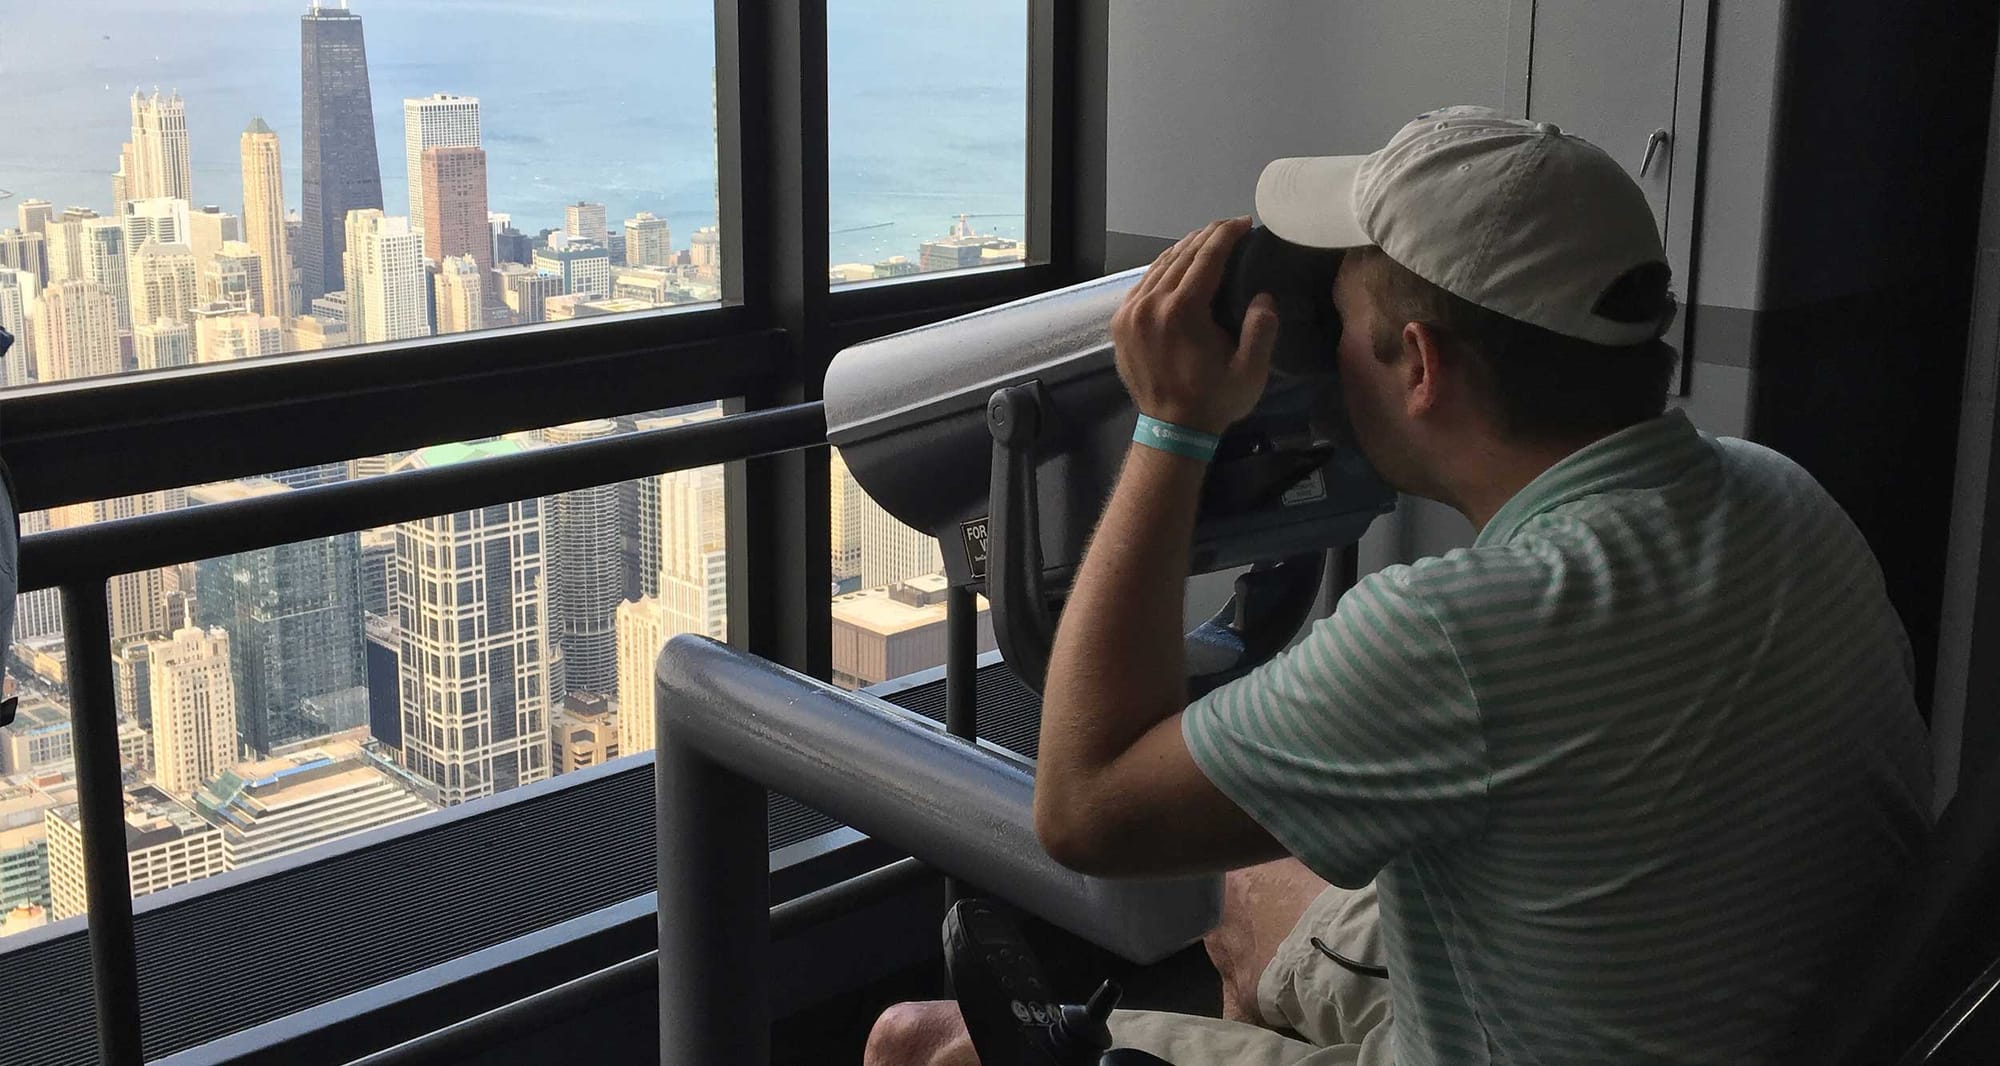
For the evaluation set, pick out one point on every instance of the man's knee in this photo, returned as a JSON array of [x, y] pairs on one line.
[[920, 1034]]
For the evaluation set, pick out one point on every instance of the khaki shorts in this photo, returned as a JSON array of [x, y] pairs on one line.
[[1318, 1013]]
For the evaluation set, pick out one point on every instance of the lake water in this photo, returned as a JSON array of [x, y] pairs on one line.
[[609, 101]]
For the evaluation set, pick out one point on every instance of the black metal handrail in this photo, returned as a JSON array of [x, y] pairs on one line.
[[79, 561], [731, 725]]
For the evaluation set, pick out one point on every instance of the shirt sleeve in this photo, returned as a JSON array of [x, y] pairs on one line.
[[1359, 744]]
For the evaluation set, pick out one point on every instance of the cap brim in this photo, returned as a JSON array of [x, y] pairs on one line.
[[1309, 200]]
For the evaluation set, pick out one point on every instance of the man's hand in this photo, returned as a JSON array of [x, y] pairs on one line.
[[1178, 365]]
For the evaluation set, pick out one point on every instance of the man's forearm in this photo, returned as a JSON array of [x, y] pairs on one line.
[[1116, 669]]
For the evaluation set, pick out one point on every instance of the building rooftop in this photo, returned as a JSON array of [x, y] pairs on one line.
[[38, 715], [450, 454], [890, 609], [245, 489], [152, 818]]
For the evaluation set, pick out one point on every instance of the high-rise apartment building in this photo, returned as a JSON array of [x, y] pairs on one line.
[[340, 170], [648, 241], [233, 276], [642, 629], [132, 684], [693, 582], [439, 120], [288, 802], [387, 288], [166, 844], [471, 613], [526, 291], [845, 514], [104, 262], [224, 335], [159, 148], [194, 708], [19, 291], [138, 600], [163, 343], [76, 332], [454, 184], [584, 267], [25, 251], [264, 217], [584, 221], [121, 180], [209, 228], [65, 245], [705, 253], [33, 214], [892, 551], [293, 612], [586, 572], [461, 295], [165, 283], [157, 220]]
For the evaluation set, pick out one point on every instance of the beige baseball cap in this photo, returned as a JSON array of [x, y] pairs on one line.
[[1515, 216]]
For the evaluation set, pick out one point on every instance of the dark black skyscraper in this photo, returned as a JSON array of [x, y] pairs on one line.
[[341, 171]]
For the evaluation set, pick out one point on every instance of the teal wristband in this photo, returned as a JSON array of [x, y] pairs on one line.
[[1180, 440]]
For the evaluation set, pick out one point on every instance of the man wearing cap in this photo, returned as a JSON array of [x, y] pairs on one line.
[[1611, 785]]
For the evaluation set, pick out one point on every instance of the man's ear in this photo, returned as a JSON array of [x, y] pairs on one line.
[[1422, 366]]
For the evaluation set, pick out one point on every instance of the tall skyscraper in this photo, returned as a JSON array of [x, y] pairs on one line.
[[21, 250], [694, 557], [76, 332], [157, 220], [470, 607], [439, 120], [648, 241], [234, 275], [293, 612], [19, 290], [584, 221], [642, 628], [892, 551], [387, 289], [137, 601], [105, 262], [194, 709], [845, 511], [164, 283], [34, 214], [159, 148], [163, 343], [65, 244], [454, 184], [340, 170], [584, 267], [224, 335], [264, 216], [209, 227], [586, 572], [121, 180], [461, 295]]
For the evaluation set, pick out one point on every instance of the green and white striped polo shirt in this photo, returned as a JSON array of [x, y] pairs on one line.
[[1626, 772]]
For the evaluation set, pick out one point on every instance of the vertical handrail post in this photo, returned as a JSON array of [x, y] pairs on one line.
[[100, 795], [714, 907]]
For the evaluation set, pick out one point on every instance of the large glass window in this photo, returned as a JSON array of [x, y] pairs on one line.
[[281, 698], [927, 118], [205, 185]]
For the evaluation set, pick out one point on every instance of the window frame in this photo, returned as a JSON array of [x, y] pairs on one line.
[[766, 347]]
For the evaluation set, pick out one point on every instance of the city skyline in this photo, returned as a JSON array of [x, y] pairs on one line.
[[428, 663]]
